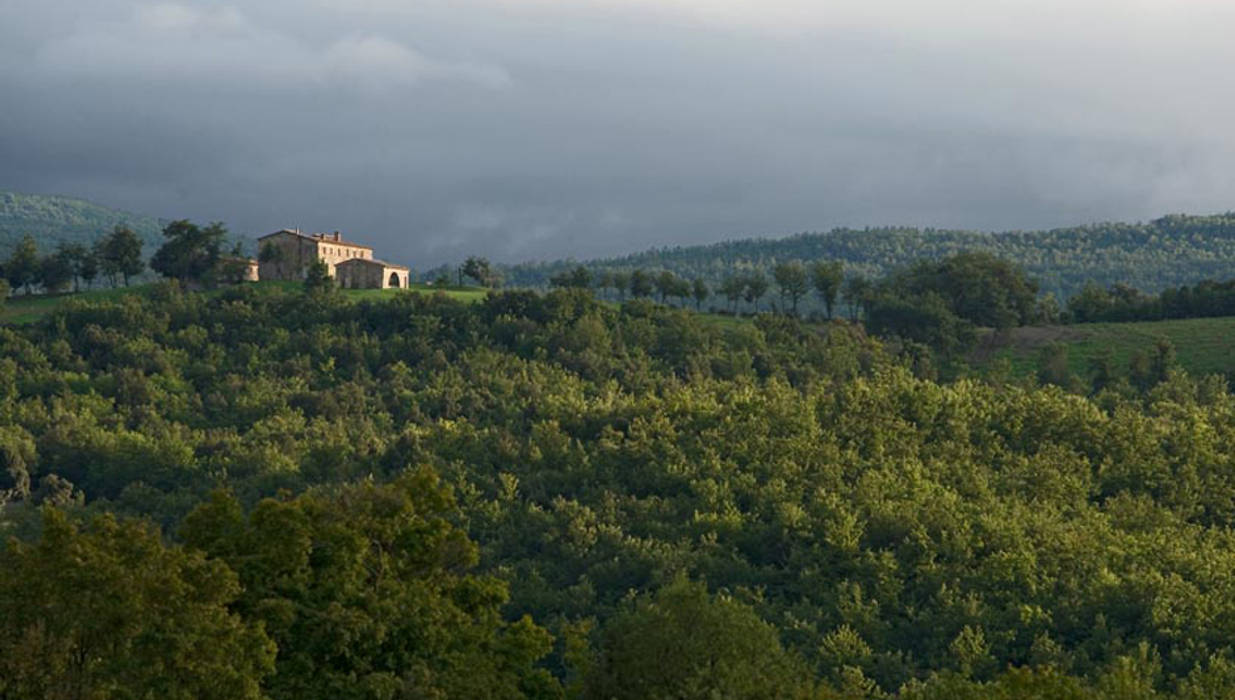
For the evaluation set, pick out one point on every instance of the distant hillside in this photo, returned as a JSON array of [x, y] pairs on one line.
[[52, 219], [1170, 251]]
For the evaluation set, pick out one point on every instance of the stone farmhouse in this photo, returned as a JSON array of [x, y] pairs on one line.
[[287, 255]]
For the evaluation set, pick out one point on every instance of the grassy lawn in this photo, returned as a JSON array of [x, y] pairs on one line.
[[27, 309], [1203, 345]]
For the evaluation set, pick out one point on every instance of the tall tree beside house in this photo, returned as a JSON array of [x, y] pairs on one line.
[[191, 252], [317, 279], [273, 255], [22, 268], [120, 255], [827, 278]]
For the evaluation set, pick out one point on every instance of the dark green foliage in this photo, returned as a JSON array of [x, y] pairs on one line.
[[56, 272], [578, 277], [190, 253], [82, 262], [966, 539], [792, 279], [110, 611], [940, 304], [977, 287], [317, 279], [827, 278], [22, 267], [480, 270], [364, 589], [684, 643], [926, 319], [1120, 302], [641, 284], [120, 255], [669, 285], [699, 290]]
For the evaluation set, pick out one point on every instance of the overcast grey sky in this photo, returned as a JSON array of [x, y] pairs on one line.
[[523, 129]]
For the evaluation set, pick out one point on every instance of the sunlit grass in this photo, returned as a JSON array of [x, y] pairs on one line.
[[20, 309]]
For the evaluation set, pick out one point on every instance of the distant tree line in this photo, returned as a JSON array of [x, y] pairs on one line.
[[1122, 302], [117, 257], [190, 254], [1166, 252]]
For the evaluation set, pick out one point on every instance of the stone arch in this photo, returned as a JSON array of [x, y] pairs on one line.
[[394, 281]]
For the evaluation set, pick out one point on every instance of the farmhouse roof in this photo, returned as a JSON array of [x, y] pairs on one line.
[[370, 261], [331, 238]]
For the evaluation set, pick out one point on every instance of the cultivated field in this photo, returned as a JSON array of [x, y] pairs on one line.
[[1202, 345]]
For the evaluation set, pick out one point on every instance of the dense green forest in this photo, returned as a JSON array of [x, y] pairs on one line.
[[292, 494], [53, 220], [1169, 251]]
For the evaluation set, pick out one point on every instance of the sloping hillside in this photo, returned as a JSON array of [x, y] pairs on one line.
[[52, 219]]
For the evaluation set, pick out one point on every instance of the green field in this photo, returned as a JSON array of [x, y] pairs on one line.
[[1202, 345], [27, 309]]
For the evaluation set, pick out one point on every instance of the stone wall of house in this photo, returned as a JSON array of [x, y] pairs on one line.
[[332, 251], [370, 275], [297, 252], [292, 259]]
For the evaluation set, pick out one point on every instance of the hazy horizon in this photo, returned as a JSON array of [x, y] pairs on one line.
[[521, 130]]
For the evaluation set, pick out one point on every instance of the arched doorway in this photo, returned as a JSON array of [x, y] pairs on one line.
[[394, 281]]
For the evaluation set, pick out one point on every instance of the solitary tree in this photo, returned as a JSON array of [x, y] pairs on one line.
[[827, 278], [732, 288], [55, 272], [578, 277], [621, 283], [641, 284], [792, 279], [22, 267], [190, 252], [699, 290], [120, 254], [684, 643], [857, 290], [754, 286], [480, 270], [82, 262]]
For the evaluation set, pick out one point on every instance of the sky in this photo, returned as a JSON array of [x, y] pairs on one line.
[[542, 129]]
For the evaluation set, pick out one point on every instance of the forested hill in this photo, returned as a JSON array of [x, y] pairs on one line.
[[53, 219], [1170, 251]]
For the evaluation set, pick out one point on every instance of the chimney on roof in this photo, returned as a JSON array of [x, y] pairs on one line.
[[336, 236]]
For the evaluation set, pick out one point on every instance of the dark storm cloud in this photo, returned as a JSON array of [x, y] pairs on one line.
[[520, 129]]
